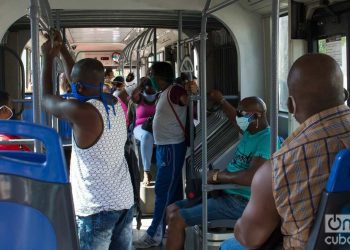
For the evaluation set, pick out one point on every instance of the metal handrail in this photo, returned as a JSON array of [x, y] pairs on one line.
[[17, 141], [203, 90], [34, 32], [274, 95]]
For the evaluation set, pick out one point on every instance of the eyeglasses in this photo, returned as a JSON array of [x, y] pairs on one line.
[[5, 109], [242, 113]]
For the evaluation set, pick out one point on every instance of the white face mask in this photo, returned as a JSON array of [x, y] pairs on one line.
[[243, 122], [149, 98]]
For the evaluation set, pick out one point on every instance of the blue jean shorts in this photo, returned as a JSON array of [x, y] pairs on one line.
[[231, 244], [226, 207], [106, 230]]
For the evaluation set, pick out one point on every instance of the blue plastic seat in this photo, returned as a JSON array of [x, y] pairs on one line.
[[36, 205], [334, 210]]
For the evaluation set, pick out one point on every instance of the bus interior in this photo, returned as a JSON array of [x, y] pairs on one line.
[[241, 47]]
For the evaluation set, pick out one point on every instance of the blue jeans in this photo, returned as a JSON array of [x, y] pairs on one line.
[[231, 244], [227, 206], [106, 230], [146, 147], [168, 188]]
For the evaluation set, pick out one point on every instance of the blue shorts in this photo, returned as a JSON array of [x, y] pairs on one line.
[[226, 207]]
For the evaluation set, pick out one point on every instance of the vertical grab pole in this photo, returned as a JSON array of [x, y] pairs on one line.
[[203, 81], [179, 46], [138, 67], [274, 75], [34, 32], [190, 115], [155, 45]]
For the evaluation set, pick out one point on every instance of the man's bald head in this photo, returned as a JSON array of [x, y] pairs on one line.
[[316, 83], [88, 70], [252, 104]]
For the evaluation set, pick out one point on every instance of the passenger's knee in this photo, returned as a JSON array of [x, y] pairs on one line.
[[175, 219], [169, 210], [147, 137]]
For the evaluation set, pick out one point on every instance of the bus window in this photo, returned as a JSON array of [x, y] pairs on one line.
[[336, 48], [283, 63]]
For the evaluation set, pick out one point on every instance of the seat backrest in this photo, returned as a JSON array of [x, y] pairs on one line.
[[331, 229], [36, 205]]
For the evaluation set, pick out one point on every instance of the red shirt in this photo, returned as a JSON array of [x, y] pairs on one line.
[[16, 147]]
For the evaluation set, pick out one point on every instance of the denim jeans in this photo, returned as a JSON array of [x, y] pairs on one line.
[[231, 244], [146, 147], [106, 230]]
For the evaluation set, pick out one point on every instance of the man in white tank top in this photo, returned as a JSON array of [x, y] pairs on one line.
[[101, 183], [168, 131]]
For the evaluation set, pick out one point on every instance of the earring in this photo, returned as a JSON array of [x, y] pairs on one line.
[[257, 123]]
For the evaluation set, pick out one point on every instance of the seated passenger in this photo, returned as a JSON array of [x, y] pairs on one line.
[[145, 99], [252, 151], [6, 113], [288, 189]]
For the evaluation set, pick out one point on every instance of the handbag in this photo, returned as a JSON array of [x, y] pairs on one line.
[[148, 125]]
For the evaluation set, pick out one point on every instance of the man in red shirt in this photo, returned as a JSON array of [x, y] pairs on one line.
[[6, 114]]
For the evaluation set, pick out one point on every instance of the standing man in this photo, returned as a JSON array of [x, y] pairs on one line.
[[169, 137], [101, 184]]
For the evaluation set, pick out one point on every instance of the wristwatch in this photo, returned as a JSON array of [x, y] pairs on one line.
[[215, 176]]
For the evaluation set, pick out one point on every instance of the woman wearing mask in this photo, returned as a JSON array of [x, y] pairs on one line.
[[144, 96]]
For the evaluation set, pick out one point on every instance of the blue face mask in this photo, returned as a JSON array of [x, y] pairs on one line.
[[243, 122], [155, 84], [83, 98]]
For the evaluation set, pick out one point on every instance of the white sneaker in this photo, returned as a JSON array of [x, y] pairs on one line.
[[146, 241]]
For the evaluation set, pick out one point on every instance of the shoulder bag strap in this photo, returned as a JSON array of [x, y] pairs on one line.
[[177, 117]]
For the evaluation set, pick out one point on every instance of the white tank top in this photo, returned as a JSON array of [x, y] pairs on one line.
[[99, 175], [166, 128]]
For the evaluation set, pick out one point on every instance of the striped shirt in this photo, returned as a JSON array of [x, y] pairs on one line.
[[301, 169]]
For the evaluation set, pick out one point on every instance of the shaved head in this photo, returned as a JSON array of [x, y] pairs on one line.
[[252, 104], [88, 70], [316, 83]]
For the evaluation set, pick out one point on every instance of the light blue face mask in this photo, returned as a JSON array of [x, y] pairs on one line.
[[243, 122], [150, 98]]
